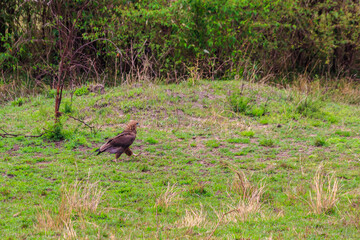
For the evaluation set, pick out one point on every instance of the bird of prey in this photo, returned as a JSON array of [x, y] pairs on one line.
[[121, 143]]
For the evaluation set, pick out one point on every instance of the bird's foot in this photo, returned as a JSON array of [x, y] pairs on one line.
[[135, 155]]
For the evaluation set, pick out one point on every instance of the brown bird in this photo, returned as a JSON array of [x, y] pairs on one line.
[[121, 143]]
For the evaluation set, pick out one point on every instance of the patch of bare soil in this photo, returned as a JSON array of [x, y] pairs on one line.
[[197, 105], [208, 95], [13, 149], [8, 175], [284, 154]]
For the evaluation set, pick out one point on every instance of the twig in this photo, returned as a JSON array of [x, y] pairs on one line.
[[6, 134], [79, 120], [217, 225]]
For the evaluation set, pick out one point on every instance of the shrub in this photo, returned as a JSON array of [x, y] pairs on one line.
[[55, 132], [81, 91], [67, 107], [51, 93], [18, 102], [239, 103]]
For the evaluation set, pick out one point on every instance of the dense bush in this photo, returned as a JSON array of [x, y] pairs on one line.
[[123, 40]]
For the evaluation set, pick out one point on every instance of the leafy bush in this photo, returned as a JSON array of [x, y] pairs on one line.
[[18, 102], [55, 132], [189, 38], [51, 93], [81, 91], [239, 103], [67, 107]]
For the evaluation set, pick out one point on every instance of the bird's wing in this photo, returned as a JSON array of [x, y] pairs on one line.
[[123, 140]]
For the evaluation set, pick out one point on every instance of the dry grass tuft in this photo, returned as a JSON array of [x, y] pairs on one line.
[[325, 188], [77, 198], [83, 196], [165, 199], [248, 200], [246, 203], [193, 218]]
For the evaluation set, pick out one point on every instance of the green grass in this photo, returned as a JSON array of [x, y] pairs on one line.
[[192, 144]]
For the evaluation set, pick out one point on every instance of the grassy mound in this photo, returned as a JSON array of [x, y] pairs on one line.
[[220, 159]]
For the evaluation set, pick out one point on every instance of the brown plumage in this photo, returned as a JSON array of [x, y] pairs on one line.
[[121, 143]]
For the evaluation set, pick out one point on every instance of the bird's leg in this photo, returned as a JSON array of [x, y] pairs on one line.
[[117, 155], [130, 153], [135, 155]]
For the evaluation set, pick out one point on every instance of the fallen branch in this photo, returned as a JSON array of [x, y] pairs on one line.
[[6, 134], [79, 120]]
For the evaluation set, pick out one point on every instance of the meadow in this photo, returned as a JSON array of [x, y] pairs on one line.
[[219, 160]]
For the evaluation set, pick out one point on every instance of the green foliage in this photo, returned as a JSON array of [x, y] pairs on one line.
[[55, 132], [151, 140], [67, 107], [247, 105], [51, 93], [238, 140], [76, 141], [320, 141], [185, 38], [81, 91], [18, 102], [308, 106], [343, 133], [266, 142], [212, 143], [247, 133], [239, 103]]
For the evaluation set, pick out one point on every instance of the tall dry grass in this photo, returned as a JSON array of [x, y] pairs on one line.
[[166, 198], [77, 198], [193, 218], [325, 192], [246, 202]]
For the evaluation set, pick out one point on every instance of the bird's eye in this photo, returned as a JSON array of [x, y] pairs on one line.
[[137, 124]]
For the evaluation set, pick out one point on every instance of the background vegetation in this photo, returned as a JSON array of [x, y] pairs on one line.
[[117, 40]]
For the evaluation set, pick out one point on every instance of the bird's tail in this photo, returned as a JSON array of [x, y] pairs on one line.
[[98, 150]]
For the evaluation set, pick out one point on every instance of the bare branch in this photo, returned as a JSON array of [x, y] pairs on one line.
[[79, 120], [6, 134]]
